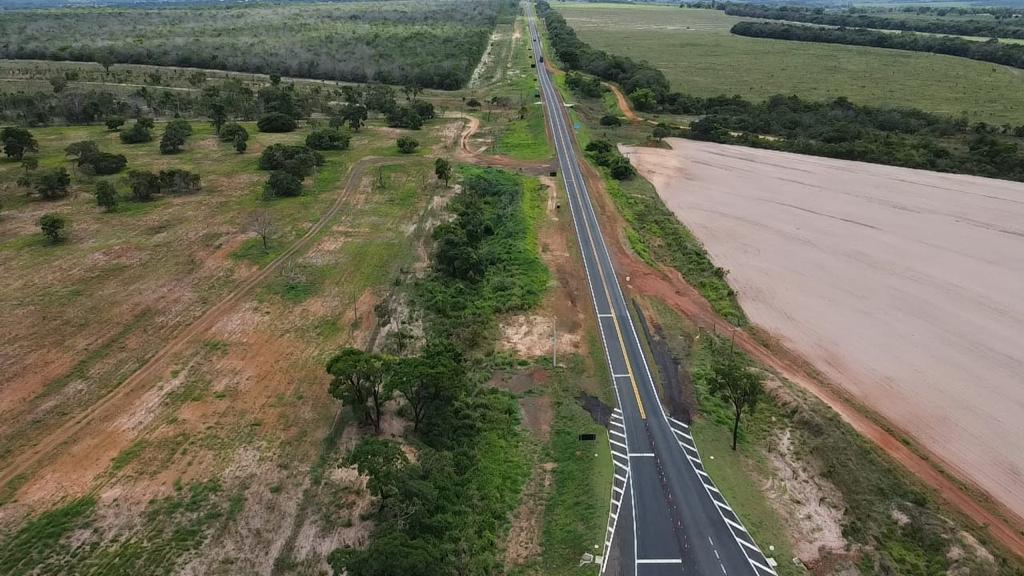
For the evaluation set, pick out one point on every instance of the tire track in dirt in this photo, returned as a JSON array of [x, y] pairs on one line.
[[134, 385], [623, 103]]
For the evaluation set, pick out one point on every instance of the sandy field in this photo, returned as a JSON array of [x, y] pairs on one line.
[[905, 287]]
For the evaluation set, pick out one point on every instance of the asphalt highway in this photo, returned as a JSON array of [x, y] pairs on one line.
[[667, 517]]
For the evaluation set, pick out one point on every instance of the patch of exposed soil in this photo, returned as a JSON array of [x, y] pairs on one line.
[[524, 536], [811, 504]]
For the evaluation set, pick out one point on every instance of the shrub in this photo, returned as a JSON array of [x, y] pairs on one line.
[[103, 163], [327, 139], [407, 145], [137, 133], [175, 134], [620, 168], [610, 120], [298, 161], [53, 183], [424, 109], [54, 227], [473, 103], [178, 181], [276, 122], [240, 144], [282, 184], [114, 122], [144, 185], [405, 117], [106, 195], [17, 142], [231, 131]]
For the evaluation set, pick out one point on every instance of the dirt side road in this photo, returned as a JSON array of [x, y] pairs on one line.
[[899, 285]]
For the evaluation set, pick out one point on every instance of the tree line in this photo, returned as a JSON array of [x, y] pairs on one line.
[[443, 514], [839, 128], [992, 28], [1007, 54], [436, 44]]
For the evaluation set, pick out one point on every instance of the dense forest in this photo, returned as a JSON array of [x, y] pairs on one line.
[[838, 129], [989, 27], [432, 44], [990, 51]]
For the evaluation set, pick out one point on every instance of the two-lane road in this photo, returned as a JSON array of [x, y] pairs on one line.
[[667, 516]]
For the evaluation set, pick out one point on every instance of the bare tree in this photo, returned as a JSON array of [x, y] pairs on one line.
[[262, 224]]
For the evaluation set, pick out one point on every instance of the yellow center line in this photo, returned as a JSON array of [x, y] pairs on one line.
[[597, 259]]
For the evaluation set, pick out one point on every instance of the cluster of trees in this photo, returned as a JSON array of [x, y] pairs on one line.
[[1007, 54], [443, 513], [646, 85], [840, 129], [74, 107], [90, 160], [584, 84], [434, 44], [144, 185], [289, 166], [605, 154], [989, 27], [139, 132]]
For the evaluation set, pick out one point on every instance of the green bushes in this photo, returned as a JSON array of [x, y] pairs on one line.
[[138, 133], [282, 184], [299, 161], [176, 133], [993, 51], [276, 122], [328, 139], [407, 145], [52, 184], [54, 227], [603, 153], [17, 142]]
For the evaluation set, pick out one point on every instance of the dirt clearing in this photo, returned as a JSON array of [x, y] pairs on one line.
[[902, 286]]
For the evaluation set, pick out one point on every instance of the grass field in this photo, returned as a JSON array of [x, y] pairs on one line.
[[219, 444], [698, 54]]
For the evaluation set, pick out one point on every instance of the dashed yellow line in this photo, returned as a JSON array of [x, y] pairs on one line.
[[604, 285]]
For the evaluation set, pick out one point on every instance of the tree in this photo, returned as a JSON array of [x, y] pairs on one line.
[[17, 142], [299, 161], [431, 382], [620, 168], [218, 116], [178, 181], [358, 380], [276, 122], [661, 132], [114, 123], [473, 103], [54, 227], [105, 59], [407, 145], [230, 131], [643, 99], [262, 224], [729, 375], [137, 133], [144, 185], [327, 139], [355, 115], [106, 195], [610, 120], [58, 83], [240, 144], [405, 117], [81, 151], [53, 183], [29, 163], [282, 184], [443, 170], [381, 460], [175, 134]]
